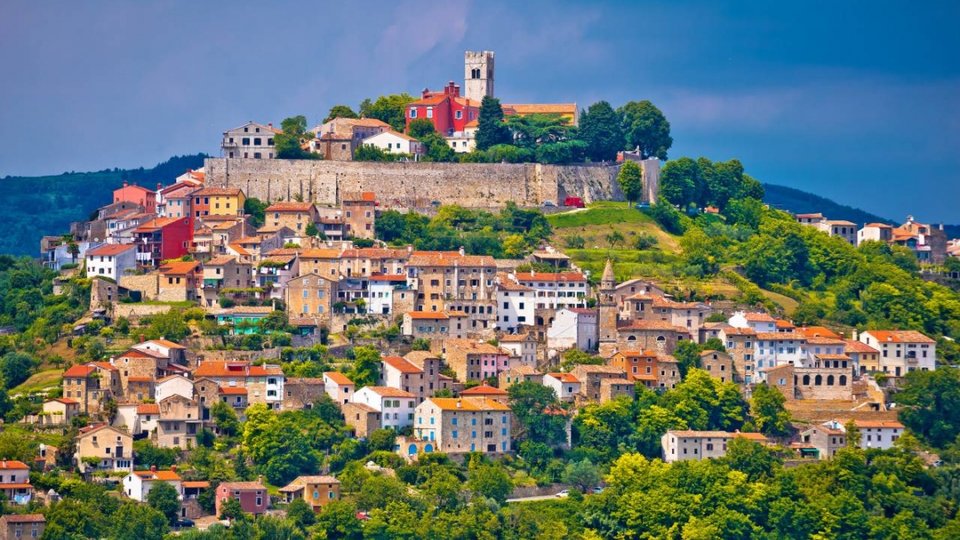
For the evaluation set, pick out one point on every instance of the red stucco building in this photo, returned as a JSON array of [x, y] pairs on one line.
[[446, 109], [137, 195], [161, 239], [253, 496]]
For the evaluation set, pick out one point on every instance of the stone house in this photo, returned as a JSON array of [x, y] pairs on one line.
[[364, 419], [180, 281], [59, 411], [309, 300], [302, 392], [902, 351], [522, 348], [660, 336], [718, 364], [679, 445], [291, 214], [92, 384], [253, 496], [17, 526], [462, 425], [249, 141], [111, 448], [474, 361], [591, 376], [179, 423], [317, 491], [518, 374], [359, 214]]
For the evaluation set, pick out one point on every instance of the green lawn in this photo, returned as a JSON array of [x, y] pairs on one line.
[[599, 213]]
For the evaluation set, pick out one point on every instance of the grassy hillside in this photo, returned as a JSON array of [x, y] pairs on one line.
[[45, 205], [660, 262]]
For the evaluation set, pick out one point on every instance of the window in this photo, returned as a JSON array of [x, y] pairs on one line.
[[429, 112], [413, 113], [459, 115]]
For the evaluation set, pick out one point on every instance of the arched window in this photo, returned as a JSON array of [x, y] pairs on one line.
[[661, 339], [631, 338], [818, 380], [843, 380], [829, 380], [806, 380]]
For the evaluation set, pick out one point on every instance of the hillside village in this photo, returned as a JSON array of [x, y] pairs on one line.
[[264, 355]]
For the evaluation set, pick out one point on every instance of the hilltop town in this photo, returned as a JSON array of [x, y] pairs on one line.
[[336, 326]]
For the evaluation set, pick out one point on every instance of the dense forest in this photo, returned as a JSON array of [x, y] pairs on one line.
[[45, 205]]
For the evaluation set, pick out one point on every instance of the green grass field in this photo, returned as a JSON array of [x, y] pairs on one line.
[[39, 382]]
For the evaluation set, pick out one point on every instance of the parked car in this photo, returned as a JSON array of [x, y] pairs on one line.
[[183, 523], [564, 493]]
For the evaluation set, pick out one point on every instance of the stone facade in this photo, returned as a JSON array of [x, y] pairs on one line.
[[415, 185]]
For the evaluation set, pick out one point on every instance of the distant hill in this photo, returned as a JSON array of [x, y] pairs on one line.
[[45, 205], [802, 202]]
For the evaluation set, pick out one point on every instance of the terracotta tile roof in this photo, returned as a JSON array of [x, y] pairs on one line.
[[878, 424], [235, 368], [484, 390], [450, 258], [818, 331], [66, 401], [315, 253], [24, 518], [140, 379], [427, 315], [688, 433], [242, 486], [824, 341], [12, 465], [758, 317], [389, 278], [564, 377], [160, 476], [653, 325], [290, 206], [218, 191], [368, 196], [78, 372], [785, 324], [195, 484], [232, 390], [401, 365], [854, 346], [157, 223], [148, 408], [107, 366], [238, 249], [338, 378], [551, 276], [418, 358], [514, 338], [878, 225], [899, 336], [166, 343], [110, 250], [468, 404], [432, 100], [179, 268], [470, 346], [389, 391], [734, 331]]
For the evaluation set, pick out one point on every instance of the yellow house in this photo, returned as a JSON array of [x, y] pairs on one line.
[[215, 201]]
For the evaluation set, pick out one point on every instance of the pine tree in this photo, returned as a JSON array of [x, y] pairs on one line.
[[491, 130]]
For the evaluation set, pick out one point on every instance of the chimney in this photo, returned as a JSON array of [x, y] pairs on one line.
[[270, 124], [125, 184], [173, 468], [459, 405], [461, 251], [153, 468]]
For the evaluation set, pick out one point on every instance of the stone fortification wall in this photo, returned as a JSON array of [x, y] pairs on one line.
[[412, 185]]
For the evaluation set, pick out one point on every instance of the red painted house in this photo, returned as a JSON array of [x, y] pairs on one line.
[[252, 496], [138, 195], [449, 112], [161, 239]]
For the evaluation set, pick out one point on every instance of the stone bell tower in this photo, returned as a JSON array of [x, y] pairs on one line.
[[478, 74], [608, 311]]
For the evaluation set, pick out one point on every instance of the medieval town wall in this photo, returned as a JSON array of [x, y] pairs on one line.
[[415, 185]]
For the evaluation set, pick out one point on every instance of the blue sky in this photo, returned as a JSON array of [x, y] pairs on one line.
[[856, 101]]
